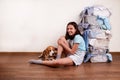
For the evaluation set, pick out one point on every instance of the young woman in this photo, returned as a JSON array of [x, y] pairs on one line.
[[72, 44]]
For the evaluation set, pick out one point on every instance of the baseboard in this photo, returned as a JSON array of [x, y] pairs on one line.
[[114, 53], [19, 53]]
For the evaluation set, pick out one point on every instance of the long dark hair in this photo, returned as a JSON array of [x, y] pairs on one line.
[[67, 36]]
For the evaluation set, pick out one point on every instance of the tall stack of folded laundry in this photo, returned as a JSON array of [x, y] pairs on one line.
[[96, 30]]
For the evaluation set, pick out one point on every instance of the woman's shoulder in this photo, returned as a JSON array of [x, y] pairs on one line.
[[77, 36]]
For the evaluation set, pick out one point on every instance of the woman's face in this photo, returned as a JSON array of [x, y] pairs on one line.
[[71, 30]]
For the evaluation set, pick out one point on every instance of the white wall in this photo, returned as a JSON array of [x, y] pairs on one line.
[[32, 25]]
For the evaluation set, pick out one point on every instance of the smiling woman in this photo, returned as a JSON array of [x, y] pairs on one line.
[[73, 46]]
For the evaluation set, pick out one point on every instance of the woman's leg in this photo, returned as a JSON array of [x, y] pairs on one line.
[[62, 38], [59, 51], [55, 63], [60, 48]]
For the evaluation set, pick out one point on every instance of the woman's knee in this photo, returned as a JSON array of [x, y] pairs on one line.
[[62, 38]]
